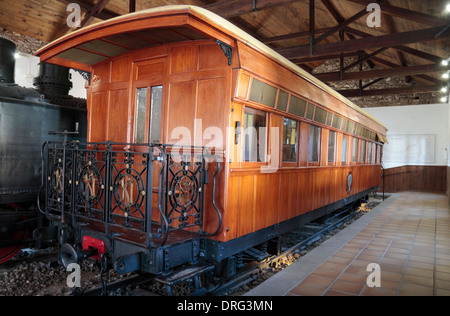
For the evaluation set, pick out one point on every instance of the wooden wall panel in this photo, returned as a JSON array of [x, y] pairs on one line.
[[416, 178], [98, 111], [118, 116], [257, 200]]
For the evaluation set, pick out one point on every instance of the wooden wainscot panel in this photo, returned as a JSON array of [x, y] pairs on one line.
[[184, 59], [209, 57], [245, 205], [416, 178], [211, 106], [273, 190], [260, 203], [243, 86], [101, 74], [283, 198], [120, 69], [181, 113], [98, 111], [118, 123]]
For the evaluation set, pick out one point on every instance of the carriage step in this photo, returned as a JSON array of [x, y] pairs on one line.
[[184, 274]]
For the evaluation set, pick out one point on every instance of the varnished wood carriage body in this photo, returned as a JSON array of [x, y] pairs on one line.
[[288, 144]]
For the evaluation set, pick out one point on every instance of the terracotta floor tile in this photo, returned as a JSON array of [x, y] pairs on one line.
[[337, 293], [426, 273], [391, 276], [409, 289], [353, 277], [347, 287], [317, 281], [443, 284], [420, 265], [378, 291], [305, 290], [414, 279], [442, 276], [328, 273], [334, 266]]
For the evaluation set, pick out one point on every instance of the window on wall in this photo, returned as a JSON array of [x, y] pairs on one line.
[[314, 144], [255, 123], [331, 146], [155, 120], [344, 150], [263, 93], [378, 158], [363, 151], [140, 115], [290, 131], [354, 149], [369, 152]]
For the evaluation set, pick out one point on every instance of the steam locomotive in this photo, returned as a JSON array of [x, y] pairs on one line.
[[26, 117]]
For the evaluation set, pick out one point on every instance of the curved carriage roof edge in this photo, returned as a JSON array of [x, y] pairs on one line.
[[63, 44]]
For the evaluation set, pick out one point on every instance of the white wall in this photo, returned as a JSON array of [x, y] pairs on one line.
[[27, 68], [418, 134]]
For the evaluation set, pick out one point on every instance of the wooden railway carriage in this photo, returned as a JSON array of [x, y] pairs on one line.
[[289, 148]]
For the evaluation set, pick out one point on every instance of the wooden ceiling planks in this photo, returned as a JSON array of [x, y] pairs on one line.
[[274, 21]]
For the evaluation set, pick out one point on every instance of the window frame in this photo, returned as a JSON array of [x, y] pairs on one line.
[[243, 134], [319, 146], [334, 162], [297, 144]]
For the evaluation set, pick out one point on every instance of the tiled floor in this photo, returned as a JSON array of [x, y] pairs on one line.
[[410, 241], [408, 236]]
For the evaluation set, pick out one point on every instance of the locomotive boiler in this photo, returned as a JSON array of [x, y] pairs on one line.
[[26, 117]]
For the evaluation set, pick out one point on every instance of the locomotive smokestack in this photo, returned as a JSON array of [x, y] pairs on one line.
[[7, 60], [52, 79]]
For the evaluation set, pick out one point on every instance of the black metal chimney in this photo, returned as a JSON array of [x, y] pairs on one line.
[[7, 60], [52, 79]]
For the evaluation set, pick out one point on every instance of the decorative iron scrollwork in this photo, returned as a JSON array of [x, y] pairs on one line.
[[227, 50]]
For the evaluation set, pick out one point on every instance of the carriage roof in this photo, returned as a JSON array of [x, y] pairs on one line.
[[162, 25]]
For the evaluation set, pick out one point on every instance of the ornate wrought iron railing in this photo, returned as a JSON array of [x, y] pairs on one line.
[[152, 189]]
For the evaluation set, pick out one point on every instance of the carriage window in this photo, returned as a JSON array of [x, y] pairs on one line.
[[297, 106], [141, 115], [310, 111], [344, 150], [263, 93], [141, 112], [254, 135], [331, 146], [329, 118], [369, 152], [363, 151], [378, 154], [320, 116], [282, 100], [155, 127], [337, 121], [354, 148], [290, 140], [314, 144]]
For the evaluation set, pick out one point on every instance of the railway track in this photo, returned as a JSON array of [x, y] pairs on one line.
[[299, 240], [295, 244]]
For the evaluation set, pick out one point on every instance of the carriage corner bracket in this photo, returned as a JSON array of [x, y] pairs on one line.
[[227, 50]]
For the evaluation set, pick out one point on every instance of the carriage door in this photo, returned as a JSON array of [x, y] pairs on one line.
[[148, 88]]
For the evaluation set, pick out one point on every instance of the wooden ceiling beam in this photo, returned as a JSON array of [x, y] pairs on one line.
[[379, 73], [389, 91], [105, 14], [97, 8], [233, 8], [389, 40], [406, 13], [406, 49]]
